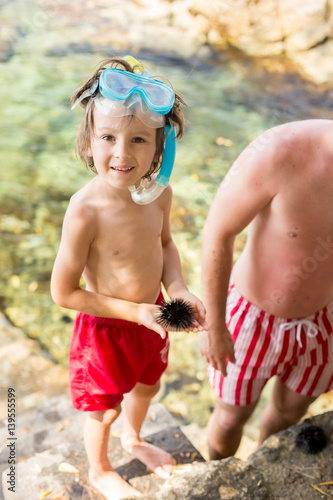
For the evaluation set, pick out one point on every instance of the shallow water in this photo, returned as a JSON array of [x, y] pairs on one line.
[[229, 104]]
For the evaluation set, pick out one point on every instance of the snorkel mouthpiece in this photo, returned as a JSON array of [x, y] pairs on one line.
[[143, 194]]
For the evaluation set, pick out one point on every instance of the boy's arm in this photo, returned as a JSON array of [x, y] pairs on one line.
[[77, 236], [249, 186], [172, 277]]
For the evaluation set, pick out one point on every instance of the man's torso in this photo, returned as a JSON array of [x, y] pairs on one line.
[[286, 267]]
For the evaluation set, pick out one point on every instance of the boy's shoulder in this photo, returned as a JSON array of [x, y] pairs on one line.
[[88, 195], [81, 204], [165, 199]]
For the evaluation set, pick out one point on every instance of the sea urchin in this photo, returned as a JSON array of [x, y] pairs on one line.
[[175, 315], [311, 439]]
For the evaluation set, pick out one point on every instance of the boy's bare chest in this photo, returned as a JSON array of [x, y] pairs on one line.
[[122, 234]]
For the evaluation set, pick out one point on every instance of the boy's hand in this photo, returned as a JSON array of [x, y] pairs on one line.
[[147, 316], [199, 311]]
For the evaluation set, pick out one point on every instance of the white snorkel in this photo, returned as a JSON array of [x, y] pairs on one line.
[[143, 194]]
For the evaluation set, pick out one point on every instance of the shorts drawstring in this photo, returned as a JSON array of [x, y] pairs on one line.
[[311, 329]]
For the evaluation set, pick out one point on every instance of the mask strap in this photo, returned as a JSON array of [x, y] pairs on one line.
[[91, 92]]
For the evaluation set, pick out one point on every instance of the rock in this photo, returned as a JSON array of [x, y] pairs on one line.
[[51, 460], [273, 471], [27, 369], [258, 28], [288, 467], [304, 23], [316, 63], [270, 28], [230, 478]]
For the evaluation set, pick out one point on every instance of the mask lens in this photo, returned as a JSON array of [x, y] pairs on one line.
[[116, 84], [119, 85]]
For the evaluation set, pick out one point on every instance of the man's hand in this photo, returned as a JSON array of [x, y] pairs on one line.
[[216, 349]]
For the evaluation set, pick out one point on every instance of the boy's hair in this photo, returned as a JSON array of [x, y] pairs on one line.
[[83, 137]]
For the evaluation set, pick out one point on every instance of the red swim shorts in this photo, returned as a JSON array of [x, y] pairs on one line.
[[109, 356], [299, 351]]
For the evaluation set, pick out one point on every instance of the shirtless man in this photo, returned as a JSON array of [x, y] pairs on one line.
[[274, 315]]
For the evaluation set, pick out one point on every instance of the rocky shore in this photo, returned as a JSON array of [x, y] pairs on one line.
[[49, 458], [51, 461], [300, 32]]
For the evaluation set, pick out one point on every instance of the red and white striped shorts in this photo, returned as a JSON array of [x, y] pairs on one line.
[[299, 351]]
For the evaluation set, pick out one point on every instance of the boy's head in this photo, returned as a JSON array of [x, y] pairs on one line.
[[82, 95]]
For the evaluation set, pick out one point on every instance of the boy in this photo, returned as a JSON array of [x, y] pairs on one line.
[[124, 250], [277, 316]]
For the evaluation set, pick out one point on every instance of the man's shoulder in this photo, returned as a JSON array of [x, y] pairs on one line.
[[301, 130]]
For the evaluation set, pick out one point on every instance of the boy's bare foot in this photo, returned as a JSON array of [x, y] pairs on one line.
[[155, 459], [112, 485]]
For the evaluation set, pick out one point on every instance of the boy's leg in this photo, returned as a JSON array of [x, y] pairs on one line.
[[285, 408], [101, 474], [136, 404], [225, 428]]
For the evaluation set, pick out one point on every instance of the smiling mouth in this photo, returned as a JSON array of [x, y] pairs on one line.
[[122, 169]]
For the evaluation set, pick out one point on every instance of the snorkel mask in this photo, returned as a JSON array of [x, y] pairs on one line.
[[119, 93]]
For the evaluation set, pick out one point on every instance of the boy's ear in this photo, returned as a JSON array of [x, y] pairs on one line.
[[88, 151]]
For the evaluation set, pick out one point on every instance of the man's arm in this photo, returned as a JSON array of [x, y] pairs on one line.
[[249, 186], [77, 236]]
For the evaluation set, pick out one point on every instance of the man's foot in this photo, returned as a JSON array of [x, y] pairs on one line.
[[155, 459], [112, 486]]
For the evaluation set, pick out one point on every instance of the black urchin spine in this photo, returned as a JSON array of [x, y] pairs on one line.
[[176, 315]]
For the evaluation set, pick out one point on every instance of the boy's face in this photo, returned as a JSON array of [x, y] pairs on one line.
[[123, 149]]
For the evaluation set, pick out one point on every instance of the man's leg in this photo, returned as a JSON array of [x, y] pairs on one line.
[[285, 408], [136, 405], [225, 428]]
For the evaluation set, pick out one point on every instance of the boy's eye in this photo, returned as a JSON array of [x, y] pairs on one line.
[[138, 139], [108, 138]]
